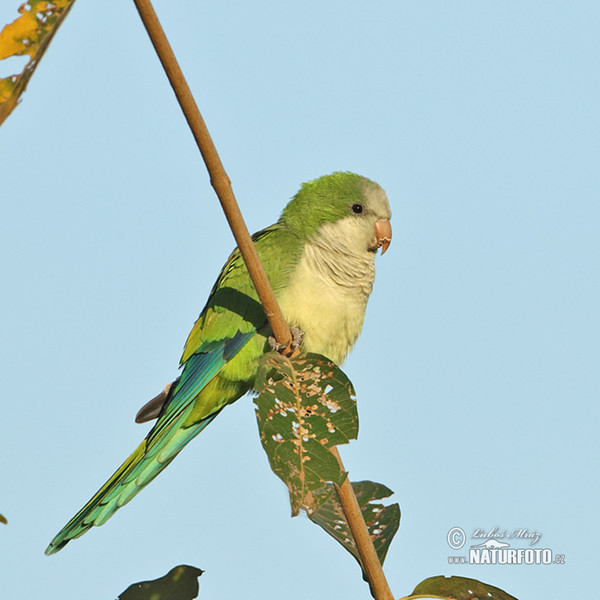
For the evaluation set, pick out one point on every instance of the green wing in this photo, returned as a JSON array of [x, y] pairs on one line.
[[233, 304]]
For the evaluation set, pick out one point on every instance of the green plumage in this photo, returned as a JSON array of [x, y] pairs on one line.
[[220, 358], [232, 308]]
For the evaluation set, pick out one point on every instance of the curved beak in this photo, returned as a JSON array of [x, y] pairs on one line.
[[383, 235]]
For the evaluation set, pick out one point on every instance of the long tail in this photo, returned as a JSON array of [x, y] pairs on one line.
[[146, 462], [179, 422]]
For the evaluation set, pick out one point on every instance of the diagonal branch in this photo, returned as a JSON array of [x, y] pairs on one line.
[[222, 185], [370, 562], [218, 177]]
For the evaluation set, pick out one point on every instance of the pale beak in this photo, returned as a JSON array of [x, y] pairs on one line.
[[383, 235]]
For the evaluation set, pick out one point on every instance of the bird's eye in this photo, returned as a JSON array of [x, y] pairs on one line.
[[357, 208]]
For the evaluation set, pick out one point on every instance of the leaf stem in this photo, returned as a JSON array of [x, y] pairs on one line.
[[222, 186], [218, 176]]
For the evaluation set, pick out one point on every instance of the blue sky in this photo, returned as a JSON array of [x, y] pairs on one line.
[[476, 372]]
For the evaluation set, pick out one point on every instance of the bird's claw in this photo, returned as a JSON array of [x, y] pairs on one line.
[[292, 348]]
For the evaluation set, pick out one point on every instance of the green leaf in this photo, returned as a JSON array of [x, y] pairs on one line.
[[305, 405], [28, 35], [3, 519], [180, 583], [458, 588], [382, 521]]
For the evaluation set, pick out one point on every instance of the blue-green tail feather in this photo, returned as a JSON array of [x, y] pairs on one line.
[[171, 433]]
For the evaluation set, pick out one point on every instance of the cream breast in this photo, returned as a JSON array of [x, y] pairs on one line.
[[328, 291]]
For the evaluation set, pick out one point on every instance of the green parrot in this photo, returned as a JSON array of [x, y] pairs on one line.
[[319, 258]]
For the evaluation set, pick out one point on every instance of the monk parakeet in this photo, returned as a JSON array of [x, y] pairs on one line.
[[319, 258]]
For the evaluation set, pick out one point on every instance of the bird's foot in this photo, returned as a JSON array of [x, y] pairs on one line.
[[291, 349]]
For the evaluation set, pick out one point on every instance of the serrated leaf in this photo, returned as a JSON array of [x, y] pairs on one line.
[[382, 521], [28, 35], [458, 588], [305, 405], [180, 583]]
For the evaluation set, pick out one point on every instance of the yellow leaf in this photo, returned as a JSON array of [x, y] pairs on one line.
[[28, 35]]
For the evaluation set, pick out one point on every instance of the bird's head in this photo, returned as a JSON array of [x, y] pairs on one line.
[[351, 211]]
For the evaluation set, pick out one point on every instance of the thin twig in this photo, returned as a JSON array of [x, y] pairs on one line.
[[218, 177], [368, 555], [222, 185]]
